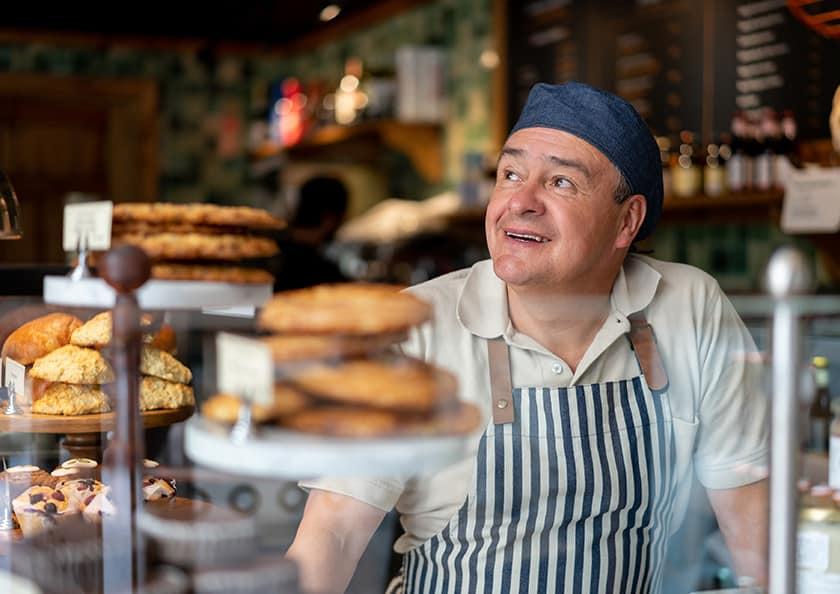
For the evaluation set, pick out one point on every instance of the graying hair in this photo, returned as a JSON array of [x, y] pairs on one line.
[[622, 189]]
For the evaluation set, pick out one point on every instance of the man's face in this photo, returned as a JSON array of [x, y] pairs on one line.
[[552, 221]]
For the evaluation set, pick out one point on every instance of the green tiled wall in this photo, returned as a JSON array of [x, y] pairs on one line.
[[196, 88]]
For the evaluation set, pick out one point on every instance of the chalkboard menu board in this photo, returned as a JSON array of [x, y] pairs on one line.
[[683, 64]]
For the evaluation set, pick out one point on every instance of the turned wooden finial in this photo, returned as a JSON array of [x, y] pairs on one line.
[[125, 268]]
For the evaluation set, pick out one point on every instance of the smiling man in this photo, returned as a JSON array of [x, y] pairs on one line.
[[609, 379]]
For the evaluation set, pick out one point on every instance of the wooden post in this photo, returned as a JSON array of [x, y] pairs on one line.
[[125, 268]]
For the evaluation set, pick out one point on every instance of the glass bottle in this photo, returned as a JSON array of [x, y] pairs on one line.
[[819, 415], [714, 173], [737, 169], [686, 176]]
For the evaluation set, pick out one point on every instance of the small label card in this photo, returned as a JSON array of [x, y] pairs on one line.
[[88, 223], [244, 368], [15, 374], [812, 202]]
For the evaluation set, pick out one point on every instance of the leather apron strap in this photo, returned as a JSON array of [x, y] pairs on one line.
[[643, 341], [501, 387]]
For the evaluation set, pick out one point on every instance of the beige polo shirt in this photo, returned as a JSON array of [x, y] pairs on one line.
[[720, 411]]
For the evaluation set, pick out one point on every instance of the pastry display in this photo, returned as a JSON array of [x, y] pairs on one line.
[[199, 242], [332, 347]]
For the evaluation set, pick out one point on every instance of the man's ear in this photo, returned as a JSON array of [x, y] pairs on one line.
[[633, 215]]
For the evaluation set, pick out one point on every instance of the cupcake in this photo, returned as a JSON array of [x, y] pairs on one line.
[[20, 478], [78, 468], [79, 490], [98, 505], [155, 488], [39, 509]]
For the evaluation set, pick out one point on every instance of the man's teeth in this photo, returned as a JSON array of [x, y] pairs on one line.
[[527, 237]]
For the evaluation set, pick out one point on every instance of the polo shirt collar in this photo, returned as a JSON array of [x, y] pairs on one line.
[[483, 309]]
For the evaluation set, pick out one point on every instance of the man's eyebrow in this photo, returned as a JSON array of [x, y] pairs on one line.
[[557, 161]]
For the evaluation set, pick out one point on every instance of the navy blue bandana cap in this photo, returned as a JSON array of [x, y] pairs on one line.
[[612, 126]]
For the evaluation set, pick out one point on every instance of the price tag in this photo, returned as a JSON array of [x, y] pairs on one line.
[[244, 368], [90, 222], [15, 374], [812, 202]]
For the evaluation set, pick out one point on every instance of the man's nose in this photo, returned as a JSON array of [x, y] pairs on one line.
[[526, 199]]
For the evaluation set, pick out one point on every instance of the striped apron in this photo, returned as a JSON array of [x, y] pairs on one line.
[[572, 492]]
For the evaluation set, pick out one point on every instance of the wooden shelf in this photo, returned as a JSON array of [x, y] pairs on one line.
[[421, 143], [741, 207]]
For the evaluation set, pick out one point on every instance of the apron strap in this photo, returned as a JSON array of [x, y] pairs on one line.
[[501, 388], [643, 341]]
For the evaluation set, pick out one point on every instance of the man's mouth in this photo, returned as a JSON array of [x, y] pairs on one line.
[[526, 237]]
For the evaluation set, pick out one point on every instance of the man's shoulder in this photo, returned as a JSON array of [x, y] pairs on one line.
[[679, 277], [445, 287]]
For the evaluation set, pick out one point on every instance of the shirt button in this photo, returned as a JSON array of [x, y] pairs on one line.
[[501, 403], [557, 368]]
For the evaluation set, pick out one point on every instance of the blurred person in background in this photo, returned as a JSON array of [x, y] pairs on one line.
[[609, 379], [320, 211]]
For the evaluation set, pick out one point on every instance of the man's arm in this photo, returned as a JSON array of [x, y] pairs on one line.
[[743, 515], [332, 535]]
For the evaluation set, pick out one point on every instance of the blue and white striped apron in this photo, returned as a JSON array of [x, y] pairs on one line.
[[574, 496]]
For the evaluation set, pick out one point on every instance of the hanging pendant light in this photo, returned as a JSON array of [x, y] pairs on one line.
[[10, 223]]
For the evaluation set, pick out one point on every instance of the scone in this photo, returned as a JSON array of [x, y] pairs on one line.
[[161, 364], [156, 393], [224, 408], [72, 399], [166, 213], [73, 365], [346, 308], [97, 331], [90, 496]]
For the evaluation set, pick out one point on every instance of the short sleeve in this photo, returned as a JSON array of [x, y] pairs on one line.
[[380, 493], [733, 440]]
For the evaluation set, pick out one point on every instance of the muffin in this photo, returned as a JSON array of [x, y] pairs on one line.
[[155, 488], [20, 478], [39, 509]]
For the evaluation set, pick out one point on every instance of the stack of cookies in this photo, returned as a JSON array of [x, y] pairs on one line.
[[340, 376], [204, 242]]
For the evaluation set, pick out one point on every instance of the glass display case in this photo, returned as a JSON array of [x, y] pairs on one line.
[[208, 499]]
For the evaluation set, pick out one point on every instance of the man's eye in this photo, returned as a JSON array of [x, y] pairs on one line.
[[510, 175], [562, 182]]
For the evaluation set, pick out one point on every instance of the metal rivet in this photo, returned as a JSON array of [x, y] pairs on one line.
[[501, 404]]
